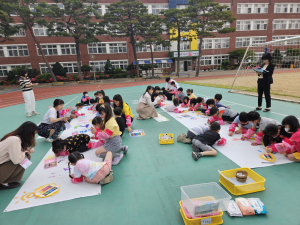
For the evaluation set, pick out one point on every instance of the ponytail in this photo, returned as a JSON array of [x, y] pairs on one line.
[[97, 120], [73, 158]]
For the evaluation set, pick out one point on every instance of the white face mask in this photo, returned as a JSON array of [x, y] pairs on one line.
[[287, 129]]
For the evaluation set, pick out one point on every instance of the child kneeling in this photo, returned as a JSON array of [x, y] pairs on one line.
[[202, 144], [92, 172], [191, 134]]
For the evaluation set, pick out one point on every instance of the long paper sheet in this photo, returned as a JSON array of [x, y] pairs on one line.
[[240, 152], [25, 197]]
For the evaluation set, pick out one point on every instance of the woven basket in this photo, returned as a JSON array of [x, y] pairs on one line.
[[241, 175]]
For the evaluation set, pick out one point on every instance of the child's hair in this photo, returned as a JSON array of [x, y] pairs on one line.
[[58, 145], [120, 100], [57, 102], [79, 104], [92, 101], [97, 120], [168, 79], [199, 100], [210, 102], [101, 92], [176, 102], [213, 111], [193, 101], [107, 110], [243, 117], [96, 93], [252, 116], [292, 121], [218, 97], [85, 92], [157, 88], [106, 99], [98, 106], [180, 89], [154, 95], [189, 91], [163, 88], [73, 158], [118, 111], [172, 83], [215, 126], [186, 98], [160, 93], [270, 131]]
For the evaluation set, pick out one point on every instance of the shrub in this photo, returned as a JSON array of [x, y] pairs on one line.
[[130, 67], [13, 82], [118, 70], [85, 68], [2, 82], [225, 63], [6, 82], [108, 68], [42, 78], [58, 69], [32, 73]]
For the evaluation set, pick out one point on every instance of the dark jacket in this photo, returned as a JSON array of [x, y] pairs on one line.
[[208, 137], [267, 77]]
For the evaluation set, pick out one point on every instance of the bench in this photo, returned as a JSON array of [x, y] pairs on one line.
[[139, 78], [83, 81], [58, 83], [185, 74], [163, 76]]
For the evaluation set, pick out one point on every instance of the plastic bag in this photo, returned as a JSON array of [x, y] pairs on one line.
[[245, 206], [257, 205]]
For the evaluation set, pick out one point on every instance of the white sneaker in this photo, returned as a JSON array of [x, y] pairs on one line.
[[35, 113], [49, 140], [28, 115]]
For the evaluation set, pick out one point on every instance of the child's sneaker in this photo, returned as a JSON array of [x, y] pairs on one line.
[[49, 139], [125, 149], [196, 155], [186, 140], [181, 137], [116, 160], [195, 148]]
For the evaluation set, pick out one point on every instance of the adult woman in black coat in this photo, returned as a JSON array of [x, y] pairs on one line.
[[264, 82]]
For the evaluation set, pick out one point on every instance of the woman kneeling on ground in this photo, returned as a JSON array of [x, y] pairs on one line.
[[145, 108], [52, 124], [15, 147]]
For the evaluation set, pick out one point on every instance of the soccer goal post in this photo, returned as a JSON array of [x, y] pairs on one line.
[[286, 59]]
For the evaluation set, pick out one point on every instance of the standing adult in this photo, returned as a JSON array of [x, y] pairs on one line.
[[14, 148], [145, 108], [169, 88], [28, 94], [264, 82], [52, 124]]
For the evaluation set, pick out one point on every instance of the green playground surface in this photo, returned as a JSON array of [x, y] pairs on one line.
[[146, 185]]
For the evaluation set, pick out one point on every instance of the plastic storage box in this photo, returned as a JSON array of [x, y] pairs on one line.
[[201, 199], [259, 184], [212, 220], [166, 141]]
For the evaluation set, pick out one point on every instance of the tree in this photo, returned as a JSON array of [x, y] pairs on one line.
[[177, 23], [151, 33], [108, 68], [209, 16], [238, 55], [86, 69], [277, 55], [122, 21], [58, 69], [29, 19], [74, 20], [6, 27]]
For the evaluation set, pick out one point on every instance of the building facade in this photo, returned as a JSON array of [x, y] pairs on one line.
[[257, 22]]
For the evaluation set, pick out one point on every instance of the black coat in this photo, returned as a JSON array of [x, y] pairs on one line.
[[267, 77]]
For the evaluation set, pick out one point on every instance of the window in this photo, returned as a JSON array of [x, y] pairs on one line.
[[19, 50], [214, 43], [68, 49], [106, 9], [28, 66], [287, 8], [96, 48], [260, 8], [257, 56], [206, 60], [260, 24], [32, 7], [21, 33], [252, 8], [286, 24], [3, 71], [157, 8], [98, 66], [99, 10], [227, 4], [242, 42], [40, 30], [44, 68], [185, 46], [259, 40], [294, 24], [219, 58], [1, 52], [117, 48], [70, 67], [242, 25], [160, 48], [49, 50], [291, 42], [156, 48], [181, 6], [119, 64]]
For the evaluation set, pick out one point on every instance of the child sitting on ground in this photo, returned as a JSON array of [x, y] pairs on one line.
[[189, 92], [156, 90], [71, 144], [274, 134], [172, 107], [96, 96], [158, 99], [73, 113], [262, 122], [180, 95], [93, 106], [242, 123], [222, 114], [191, 134], [101, 95], [202, 144], [92, 172], [120, 120], [174, 88], [186, 102], [209, 103], [218, 98], [85, 98], [193, 103], [107, 100]]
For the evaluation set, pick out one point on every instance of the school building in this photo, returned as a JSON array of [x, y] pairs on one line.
[[257, 22]]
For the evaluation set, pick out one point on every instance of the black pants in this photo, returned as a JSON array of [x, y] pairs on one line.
[[264, 88], [190, 135], [87, 102], [228, 118], [125, 120], [168, 95]]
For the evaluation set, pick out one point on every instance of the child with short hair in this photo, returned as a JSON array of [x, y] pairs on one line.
[[262, 122], [158, 99], [101, 95], [173, 106], [92, 172], [191, 134], [189, 92], [242, 123], [71, 144], [274, 134], [120, 120], [96, 96], [202, 144], [222, 114], [174, 88], [108, 101], [156, 90], [180, 95], [193, 103], [93, 106], [209, 103], [85, 98], [186, 102], [73, 113], [218, 98]]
